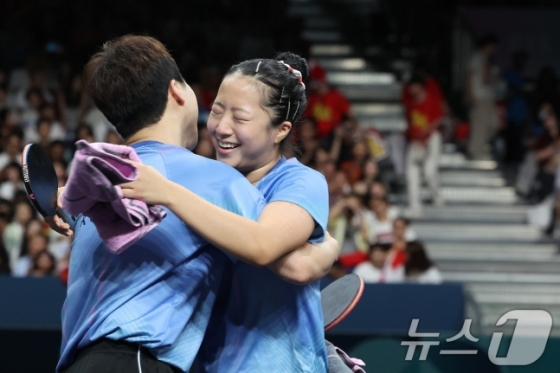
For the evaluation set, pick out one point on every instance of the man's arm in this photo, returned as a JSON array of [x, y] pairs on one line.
[[309, 263]]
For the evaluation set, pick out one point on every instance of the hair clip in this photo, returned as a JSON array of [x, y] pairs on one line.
[[295, 72], [258, 65]]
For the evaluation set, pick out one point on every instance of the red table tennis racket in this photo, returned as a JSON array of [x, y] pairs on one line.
[[340, 298]]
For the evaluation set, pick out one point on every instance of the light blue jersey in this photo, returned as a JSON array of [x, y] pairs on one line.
[[159, 292], [270, 325]]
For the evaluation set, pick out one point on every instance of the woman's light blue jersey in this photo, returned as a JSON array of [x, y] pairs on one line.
[[270, 325]]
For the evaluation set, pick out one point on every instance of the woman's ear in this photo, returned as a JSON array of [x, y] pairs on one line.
[[176, 92], [283, 131]]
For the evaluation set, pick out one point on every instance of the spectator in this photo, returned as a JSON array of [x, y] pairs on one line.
[[371, 271], [338, 187], [60, 169], [57, 152], [345, 136], [354, 168], [481, 82], [535, 176], [327, 105], [424, 114], [3, 96], [370, 175], [432, 86], [517, 109], [14, 233], [402, 231], [13, 181], [419, 268], [4, 257], [379, 190], [12, 151], [35, 245], [6, 209], [43, 131], [30, 115], [378, 222], [84, 132], [8, 126], [43, 264], [49, 113], [345, 219], [307, 142]]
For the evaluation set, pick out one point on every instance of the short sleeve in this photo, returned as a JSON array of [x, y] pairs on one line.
[[308, 189]]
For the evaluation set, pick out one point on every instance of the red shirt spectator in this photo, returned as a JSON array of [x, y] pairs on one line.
[[328, 110], [424, 111], [325, 104], [432, 87]]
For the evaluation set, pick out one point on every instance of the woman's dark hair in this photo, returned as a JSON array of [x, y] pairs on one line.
[[284, 90], [418, 260]]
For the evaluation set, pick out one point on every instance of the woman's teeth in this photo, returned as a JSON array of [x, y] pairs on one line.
[[227, 145]]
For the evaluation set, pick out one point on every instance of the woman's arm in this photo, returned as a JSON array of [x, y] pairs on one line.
[[309, 263], [282, 226]]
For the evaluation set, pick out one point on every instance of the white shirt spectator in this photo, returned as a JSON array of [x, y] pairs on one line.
[[368, 272], [8, 189], [380, 231], [482, 77], [5, 160], [431, 276], [22, 266]]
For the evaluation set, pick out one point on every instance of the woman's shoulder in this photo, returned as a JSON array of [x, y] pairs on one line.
[[293, 169]]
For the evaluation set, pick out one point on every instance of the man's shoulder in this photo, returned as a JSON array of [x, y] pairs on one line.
[[174, 156]]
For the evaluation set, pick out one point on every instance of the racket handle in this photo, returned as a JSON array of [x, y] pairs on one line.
[[68, 218]]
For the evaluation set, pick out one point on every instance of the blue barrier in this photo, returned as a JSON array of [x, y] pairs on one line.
[[31, 303], [388, 309], [35, 304]]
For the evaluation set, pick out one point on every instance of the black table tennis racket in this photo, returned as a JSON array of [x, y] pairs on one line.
[[41, 182]]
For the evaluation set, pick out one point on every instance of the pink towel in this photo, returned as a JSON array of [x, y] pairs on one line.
[[92, 190]]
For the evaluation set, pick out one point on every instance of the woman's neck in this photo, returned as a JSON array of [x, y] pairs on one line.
[[256, 175]]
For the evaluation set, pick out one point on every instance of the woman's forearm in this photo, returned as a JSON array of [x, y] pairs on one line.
[[258, 243], [307, 264]]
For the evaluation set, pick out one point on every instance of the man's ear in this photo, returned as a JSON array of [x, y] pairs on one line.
[[176, 92], [283, 131]]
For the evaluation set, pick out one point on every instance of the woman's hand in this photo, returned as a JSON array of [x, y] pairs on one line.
[[150, 186]]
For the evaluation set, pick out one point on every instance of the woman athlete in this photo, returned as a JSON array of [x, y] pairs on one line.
[[269, 325]]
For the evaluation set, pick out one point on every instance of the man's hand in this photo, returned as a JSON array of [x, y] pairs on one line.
[[58, 225], [56, 222]]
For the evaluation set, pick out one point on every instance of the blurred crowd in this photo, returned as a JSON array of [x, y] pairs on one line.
[[47, 106], [506, 118]]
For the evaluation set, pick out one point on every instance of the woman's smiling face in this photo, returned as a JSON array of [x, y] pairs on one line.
[[239, 125]]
